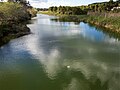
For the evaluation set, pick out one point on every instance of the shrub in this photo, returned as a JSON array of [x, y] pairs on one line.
[[13, 11], [32, 11]]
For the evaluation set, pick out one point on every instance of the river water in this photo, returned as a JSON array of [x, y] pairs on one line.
[[60, 56]]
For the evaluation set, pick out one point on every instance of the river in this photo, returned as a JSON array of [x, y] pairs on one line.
[[60, 56]]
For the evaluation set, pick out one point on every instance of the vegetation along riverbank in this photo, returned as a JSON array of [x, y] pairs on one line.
[[13, 16], [104, 14]]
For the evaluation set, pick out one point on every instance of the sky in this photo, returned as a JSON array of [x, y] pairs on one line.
[[48, 3]]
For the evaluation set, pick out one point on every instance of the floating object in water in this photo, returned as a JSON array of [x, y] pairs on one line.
[[68, 66]]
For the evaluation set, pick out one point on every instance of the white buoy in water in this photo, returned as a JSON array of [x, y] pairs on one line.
[[68, 66]]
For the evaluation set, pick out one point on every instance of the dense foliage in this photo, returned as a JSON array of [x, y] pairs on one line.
[[79, 10], [67, 10], [12, 16], [12, 12], [104, 6], [104, 14], [32, 11]]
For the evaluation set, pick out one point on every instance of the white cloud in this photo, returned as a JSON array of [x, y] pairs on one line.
[[38, 4], [38, 0], [48, 3]]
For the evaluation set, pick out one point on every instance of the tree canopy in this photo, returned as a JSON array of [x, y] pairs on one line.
[[78, 10]]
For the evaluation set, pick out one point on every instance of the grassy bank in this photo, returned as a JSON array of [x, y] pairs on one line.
[[49, 13], [111, 23], [12, 16]]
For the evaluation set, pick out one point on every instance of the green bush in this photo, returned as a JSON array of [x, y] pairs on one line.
[[32, 11], [13, 11], [11, 16]]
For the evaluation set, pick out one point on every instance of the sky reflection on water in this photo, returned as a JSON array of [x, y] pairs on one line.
[[42, 58]]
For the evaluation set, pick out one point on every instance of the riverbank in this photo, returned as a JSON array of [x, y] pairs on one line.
[[13, 21], [111, 24], [13, 31], [49, 13]]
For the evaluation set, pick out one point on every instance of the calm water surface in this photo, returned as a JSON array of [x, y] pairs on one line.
[[60, 56]]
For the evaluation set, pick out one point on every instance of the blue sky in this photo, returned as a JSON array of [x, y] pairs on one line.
[[48, 3]]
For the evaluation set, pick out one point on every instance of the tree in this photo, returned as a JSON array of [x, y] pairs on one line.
[[111, 1], [51, 9], [55, 9], [118, 1]]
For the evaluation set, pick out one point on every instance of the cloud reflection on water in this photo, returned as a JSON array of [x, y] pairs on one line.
[[56, 46], [53, 62]]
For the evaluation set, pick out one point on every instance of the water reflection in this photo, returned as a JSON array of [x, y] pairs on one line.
[[48, 60], [108, 32], [83, 56], [42, 58]]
